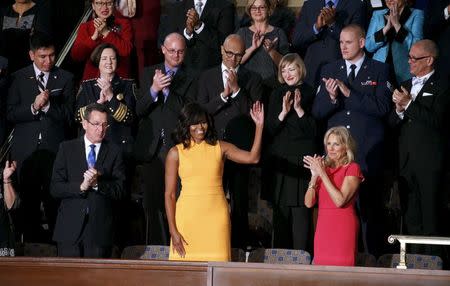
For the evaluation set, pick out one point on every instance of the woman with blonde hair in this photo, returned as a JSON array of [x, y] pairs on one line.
[[291, 134], [334, 183]]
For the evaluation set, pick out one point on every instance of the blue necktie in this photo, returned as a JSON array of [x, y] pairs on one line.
[[91, 156]]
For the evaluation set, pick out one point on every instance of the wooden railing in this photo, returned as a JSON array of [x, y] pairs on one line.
[[19, 271]]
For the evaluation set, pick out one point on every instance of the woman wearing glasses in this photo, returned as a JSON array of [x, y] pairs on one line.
[[103, 28], [391, 34], [265, 44], [117, 94]]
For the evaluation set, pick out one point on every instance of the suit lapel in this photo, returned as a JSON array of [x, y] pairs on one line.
[[102, 155], [429, 87], [52, 79], [342, 71]]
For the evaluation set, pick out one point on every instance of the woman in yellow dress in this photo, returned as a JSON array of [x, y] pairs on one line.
[[199, 222]]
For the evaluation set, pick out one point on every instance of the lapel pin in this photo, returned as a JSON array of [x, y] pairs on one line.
[[119, 96], [342, 67]]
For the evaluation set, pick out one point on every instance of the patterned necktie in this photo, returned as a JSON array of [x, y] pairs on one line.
[[40, 81], [199, 7], [330, 4], [166, 90], [91, 156], [351, 76]]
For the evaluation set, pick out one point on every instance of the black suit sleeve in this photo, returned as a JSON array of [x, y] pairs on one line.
[[432, 116], [145, 102], [62, 186], [112, 184], [61, 106], [17, 110]]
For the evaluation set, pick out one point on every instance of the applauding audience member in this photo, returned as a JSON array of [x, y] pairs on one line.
[[391, 34], [291, 133], [264, 43], [334, 184], [104, 28]]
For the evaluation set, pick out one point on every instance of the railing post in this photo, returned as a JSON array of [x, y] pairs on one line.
[[402, 262]]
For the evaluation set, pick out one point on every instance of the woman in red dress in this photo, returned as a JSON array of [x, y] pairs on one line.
[[103, 28], [334, 182]]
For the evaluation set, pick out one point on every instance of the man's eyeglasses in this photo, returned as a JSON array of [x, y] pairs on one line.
[[173, 52], [106, 4], [230, 54], [414, 59], [97, 125], [258, 8]]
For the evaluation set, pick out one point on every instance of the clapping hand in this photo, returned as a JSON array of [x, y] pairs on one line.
[[160, 81], [270, 44], [100, 28], [257, 39], [106, 92], [401, 99], [315, 164], [297, 103], [89, 179], [257, 113]]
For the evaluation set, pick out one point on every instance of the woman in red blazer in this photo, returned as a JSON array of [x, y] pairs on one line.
[[103, 28]]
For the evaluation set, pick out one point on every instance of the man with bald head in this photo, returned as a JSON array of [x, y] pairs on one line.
[[420, 107], [228, 91], [165, 88]]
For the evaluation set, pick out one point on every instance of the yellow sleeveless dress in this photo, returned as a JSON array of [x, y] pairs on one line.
[[202, 215]]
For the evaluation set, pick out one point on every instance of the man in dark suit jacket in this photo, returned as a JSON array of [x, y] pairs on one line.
[[165, 88], [359, 100], [40, 108], [88, 175], [420, 114], [227, 92], [437, 28], [204, 28], [316, 35]]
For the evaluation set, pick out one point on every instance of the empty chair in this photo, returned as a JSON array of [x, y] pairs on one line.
[[157, 252], [413, 261], [237, 255], [39, 250], [280, 256], [366, 260]]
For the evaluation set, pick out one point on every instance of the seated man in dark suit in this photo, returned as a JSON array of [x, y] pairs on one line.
[[421, 106], [227, 92], [165, 88], [40, 109], [316, 35], [88, 176], [354, 93], [204, 24]]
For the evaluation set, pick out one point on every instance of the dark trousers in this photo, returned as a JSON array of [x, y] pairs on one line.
[[236, 179], [34, 188], [84, 245], [291, 227], [419, 191], [151, 177]]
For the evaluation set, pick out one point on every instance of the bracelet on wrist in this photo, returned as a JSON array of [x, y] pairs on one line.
[[7, 182]]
